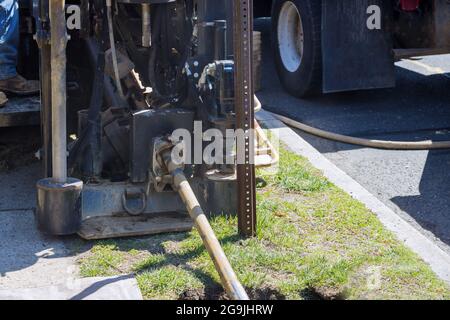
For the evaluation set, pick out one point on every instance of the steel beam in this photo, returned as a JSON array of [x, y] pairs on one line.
[[245, 118]]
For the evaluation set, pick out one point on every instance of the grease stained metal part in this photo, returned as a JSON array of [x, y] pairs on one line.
[[243, 38], [21, 111]]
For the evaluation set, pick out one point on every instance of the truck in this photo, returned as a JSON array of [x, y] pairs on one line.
[[319, 46], [322, 46]]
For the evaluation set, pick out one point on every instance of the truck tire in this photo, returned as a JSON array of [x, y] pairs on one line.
[[296, 43]]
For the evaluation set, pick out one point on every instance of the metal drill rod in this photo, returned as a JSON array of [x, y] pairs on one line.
[[58, 41], [230, 282], [146, 26]]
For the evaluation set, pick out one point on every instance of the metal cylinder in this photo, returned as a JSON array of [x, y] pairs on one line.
[[58, 74], [220, 40], [58, 210], [227, 275], [206, 31], [59, 197], [146, 26]]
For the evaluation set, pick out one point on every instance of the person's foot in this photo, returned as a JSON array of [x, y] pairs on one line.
[[19, 85], [3, 99]]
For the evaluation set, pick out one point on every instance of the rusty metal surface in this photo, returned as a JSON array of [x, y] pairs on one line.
[[133, 226], [106, 199], [244, 91]]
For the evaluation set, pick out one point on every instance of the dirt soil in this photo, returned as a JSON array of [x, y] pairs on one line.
[[18, 147]]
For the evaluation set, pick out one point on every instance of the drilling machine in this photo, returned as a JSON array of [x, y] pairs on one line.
[[120, 84]]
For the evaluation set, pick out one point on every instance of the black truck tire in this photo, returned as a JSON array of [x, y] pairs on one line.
[[296, 43]]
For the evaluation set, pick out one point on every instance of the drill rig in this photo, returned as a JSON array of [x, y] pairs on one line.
[[132, 73]]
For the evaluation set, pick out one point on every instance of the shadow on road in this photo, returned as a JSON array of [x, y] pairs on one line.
[[431, 208]]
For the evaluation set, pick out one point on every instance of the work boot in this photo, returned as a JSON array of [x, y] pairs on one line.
[[19, 85], [3, 99]]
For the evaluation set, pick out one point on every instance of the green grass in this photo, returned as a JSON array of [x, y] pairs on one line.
[[313, 241]]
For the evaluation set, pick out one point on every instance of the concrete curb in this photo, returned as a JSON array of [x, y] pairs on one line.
[[429, 251]]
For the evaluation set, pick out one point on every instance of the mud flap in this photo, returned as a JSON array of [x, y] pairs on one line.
[[355, 56]]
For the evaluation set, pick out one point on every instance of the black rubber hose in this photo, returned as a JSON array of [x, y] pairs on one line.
[[371, 143]]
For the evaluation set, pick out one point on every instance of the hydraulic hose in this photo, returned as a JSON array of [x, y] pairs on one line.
[[371, 143], [113, 48], [228, 277]]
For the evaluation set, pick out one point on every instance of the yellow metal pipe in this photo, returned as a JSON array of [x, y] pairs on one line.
[[230, 282]]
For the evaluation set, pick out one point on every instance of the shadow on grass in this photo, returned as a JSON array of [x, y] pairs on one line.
[[211, 289]]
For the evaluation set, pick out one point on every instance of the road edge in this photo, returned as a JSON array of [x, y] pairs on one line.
[[428, 250]]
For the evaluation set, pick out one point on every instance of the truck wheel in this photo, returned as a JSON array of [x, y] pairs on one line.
[[296, 42]]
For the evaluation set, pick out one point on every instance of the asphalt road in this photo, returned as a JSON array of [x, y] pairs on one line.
[[415, 184]]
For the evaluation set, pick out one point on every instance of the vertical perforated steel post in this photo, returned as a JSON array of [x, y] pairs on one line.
[[243, 59]]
